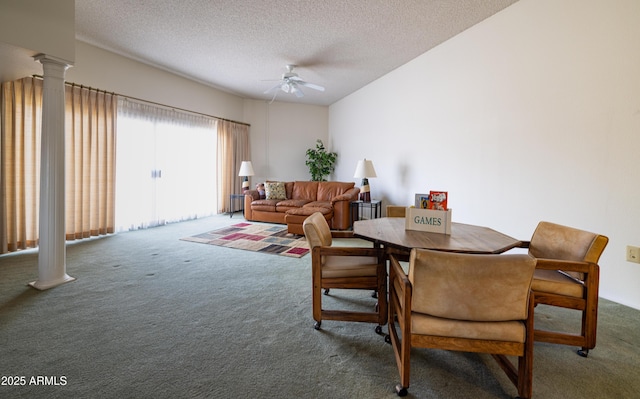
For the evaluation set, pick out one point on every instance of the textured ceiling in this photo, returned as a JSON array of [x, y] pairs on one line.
[[237, 45]]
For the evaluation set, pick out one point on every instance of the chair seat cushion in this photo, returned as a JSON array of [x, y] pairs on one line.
[[555, 282], [349, 266], [511, 331]]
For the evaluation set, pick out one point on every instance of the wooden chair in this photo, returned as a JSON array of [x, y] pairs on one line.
[[464, 302], [344, 267], [568, 276], [396, 211]]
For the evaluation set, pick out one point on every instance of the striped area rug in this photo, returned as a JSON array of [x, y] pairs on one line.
[[266, 238]]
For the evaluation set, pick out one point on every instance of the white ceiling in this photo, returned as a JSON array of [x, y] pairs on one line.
[[236, 45]]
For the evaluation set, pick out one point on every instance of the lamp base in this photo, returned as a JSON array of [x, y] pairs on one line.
[[365, 191]]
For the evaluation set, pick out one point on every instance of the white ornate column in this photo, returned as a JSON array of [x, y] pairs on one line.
[[52, 250]]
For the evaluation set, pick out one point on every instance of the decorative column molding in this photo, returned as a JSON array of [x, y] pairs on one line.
[[52, 249]]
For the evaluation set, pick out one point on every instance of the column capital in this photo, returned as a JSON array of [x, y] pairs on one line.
[[53, 65], [42, 58]]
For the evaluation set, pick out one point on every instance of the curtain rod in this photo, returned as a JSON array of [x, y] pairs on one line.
[[148, 102]]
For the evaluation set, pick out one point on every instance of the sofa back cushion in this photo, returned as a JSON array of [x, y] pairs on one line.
[[305, 190], [328, 190], [288, 186]]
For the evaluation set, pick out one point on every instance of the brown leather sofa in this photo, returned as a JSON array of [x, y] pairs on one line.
[[303, 198]]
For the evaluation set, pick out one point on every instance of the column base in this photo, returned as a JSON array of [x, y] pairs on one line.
[[45, 285]]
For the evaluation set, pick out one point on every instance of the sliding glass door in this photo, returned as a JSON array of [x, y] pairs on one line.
[[165, 169]]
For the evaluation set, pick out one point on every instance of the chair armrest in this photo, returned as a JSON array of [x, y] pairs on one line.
[[342, 234], [397, 272], [400, 293], [566, 265], [349, 251], [524, 244]]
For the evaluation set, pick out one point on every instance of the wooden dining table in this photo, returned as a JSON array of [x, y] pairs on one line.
[[464, 238]]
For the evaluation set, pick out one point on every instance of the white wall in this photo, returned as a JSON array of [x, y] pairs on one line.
[[281, 133], [105, 70], [533, 114]]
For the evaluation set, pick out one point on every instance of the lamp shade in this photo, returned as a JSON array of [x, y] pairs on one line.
[[246, 169], [365, 169]]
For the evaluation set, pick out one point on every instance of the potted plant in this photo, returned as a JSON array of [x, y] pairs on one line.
[[320, 162]]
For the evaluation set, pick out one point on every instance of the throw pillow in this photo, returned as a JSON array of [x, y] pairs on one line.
[[275, 191]]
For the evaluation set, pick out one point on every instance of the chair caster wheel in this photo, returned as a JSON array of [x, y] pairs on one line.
[[387, 339], [378, 329], [583, 352], [401, 391], [374, 294], [326, 291], [317, 325]]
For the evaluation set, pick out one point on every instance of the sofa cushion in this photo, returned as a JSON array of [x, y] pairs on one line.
[[275, 191], [298, 216], [305, 190], [264, 205], [285, 205], [293, 203], [327, 190], [319, 204]]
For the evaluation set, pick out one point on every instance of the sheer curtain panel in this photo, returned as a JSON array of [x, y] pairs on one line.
[[166, 165]]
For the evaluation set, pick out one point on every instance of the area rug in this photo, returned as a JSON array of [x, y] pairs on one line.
[[266, 238]]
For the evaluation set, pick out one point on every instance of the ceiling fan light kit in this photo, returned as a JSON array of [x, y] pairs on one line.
[[291, 82]]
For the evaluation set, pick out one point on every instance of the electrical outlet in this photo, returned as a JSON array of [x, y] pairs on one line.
[[633, 254]]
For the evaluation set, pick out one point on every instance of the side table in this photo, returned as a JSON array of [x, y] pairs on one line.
[[232, 200], [361, 210]]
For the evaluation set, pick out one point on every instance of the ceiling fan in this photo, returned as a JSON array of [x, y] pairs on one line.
[[291, 83]]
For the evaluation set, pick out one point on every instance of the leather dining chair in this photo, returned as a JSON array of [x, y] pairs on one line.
[[396, 211], [567, 276], [464, 302], [344, 268]]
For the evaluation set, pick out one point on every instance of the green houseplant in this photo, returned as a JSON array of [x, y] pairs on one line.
[[320, 162]]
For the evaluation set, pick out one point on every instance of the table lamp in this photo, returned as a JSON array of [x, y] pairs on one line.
[[246, 170], [364, 170]]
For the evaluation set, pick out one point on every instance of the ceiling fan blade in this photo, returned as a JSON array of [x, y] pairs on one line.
[[273, 88], [297, 92], [310, 85]]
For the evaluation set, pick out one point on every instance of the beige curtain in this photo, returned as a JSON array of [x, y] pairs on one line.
[[90, 162], [90, 127], [233, 148], [21, 112]]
